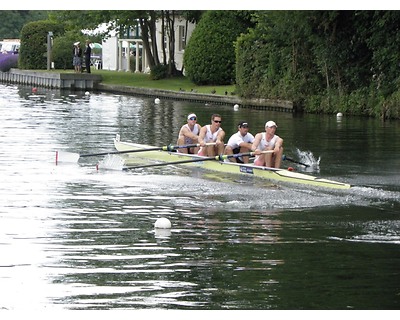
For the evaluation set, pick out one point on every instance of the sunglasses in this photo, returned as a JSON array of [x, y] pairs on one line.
[[193, 118], [217, 121]]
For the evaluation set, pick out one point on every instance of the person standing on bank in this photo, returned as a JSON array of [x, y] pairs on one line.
[[240, 142], [77, 57], [212, 133], [189, 134], [268, 140], [87, 53]]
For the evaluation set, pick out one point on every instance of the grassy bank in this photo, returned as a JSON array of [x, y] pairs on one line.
[[174, 84], [141, 80]]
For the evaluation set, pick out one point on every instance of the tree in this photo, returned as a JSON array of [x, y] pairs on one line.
[[210, 54], [381, 32], [12, 21], [123, 21], [324, 61]]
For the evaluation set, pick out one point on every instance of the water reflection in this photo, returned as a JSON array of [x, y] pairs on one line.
[[117, 247]]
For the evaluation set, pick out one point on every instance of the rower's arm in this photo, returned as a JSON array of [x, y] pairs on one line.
[[202, 134]]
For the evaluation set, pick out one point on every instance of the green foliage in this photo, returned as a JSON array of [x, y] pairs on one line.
[[80, 19], [324, 61], [33, 50], [361, 102], [159, 72], [209, 55], [391, 107], [12, 21]]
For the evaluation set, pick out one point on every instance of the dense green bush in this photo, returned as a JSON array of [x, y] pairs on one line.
[[209, 57], [272, 58], [159, 72], [33, 50]]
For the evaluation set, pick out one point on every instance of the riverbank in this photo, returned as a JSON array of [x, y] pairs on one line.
[[267, 104], [135, 84]]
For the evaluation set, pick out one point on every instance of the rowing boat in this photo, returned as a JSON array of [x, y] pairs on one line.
[[272, 174]]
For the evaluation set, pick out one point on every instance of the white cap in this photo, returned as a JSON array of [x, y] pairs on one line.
[[191, 115], [270, 124], [76, 43]]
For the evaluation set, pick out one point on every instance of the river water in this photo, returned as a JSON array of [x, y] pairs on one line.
[[76, 238]]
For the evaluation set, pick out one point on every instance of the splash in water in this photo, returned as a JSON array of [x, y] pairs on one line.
[[111, 162], [309, 159]]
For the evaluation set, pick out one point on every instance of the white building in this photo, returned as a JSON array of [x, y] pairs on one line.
[[117, 52]]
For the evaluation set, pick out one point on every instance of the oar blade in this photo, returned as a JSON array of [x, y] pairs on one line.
[[284, 157], [62, 156]]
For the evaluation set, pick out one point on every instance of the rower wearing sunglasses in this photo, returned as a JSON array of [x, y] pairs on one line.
[[189, 134], [212, 133]]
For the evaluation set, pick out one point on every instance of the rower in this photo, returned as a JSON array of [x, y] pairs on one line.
[[212, 133], [189, 134], [268, 140], [240, 142]]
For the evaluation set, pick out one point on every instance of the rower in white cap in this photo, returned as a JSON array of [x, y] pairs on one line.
[[189, 134], [268, 140]]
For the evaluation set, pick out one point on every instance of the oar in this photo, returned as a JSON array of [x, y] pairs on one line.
[[220, 157], [294, 161], [62, 156]]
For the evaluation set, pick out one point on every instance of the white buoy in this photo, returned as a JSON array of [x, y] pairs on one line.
[[87, 93], [156, 101], [236, 107], [162, 223], [339, 115]]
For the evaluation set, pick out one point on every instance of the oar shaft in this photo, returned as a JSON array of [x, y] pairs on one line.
[[294, 161], [164, 148], [119, 152], [74, 157]]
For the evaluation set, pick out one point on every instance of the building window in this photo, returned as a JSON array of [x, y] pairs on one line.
[[182, 38]]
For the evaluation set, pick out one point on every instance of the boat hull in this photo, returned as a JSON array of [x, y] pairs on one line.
[[272, 174]]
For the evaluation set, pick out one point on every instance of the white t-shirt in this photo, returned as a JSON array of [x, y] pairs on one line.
[[236, 139]]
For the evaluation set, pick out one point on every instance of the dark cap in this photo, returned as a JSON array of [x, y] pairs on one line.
[[243, 124]]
